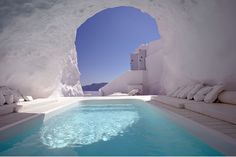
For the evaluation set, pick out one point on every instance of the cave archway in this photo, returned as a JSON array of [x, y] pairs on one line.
[[105, 41], [37, 42]]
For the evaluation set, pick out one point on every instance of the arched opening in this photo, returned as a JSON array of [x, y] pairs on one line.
[[105, 41]]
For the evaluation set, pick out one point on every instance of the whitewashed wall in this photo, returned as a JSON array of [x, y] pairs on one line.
[[197, 42], [121, 83], [158, 77]]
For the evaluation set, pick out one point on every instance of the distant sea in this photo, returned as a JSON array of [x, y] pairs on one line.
[[92, 89], [91, 93], [94, 86]]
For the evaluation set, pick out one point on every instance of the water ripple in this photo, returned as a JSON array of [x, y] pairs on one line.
[[77, 127]]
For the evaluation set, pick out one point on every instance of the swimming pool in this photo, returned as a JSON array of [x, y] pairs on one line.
[[108, 127]]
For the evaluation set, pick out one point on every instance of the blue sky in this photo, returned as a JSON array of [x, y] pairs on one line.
[[106, 40]]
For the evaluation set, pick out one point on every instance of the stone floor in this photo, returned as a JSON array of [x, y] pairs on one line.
[[33, 108], [224, 127]]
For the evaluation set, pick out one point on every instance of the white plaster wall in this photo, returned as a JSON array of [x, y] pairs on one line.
[[36, 38], [121, 83], [154, 69], [157, 77], [197, 42], [202, 50]]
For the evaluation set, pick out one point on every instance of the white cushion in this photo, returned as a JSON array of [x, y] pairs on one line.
[[172, 92], [180, 91], [28, 98], [202, 93], [194, 90], [185, 91], [228, 97], [21, 100], [16, 98], [2, 99], [177, 91], [213, 94], [16, 95], [9, 99], [5, 90], [9, 91], [134, 92]]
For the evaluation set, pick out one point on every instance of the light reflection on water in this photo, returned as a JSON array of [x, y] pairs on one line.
[[88, 124], [108, 128]]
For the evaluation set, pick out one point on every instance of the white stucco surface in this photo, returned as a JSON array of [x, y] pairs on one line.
[[37, 43], [122, 83]]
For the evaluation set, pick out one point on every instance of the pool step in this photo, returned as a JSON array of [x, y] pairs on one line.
[[36, 104], [106, 106], [107, 110]]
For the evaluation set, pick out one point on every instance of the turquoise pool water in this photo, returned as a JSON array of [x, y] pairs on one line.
[[128, 127]]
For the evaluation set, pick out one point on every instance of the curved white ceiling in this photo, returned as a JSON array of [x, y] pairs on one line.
[[198, 40]]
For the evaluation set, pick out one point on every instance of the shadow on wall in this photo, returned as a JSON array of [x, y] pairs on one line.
[[199, 40]]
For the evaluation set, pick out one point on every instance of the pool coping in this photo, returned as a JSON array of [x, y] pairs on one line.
[[208, 135], [31, 117], [203, 132], [68, 104]]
